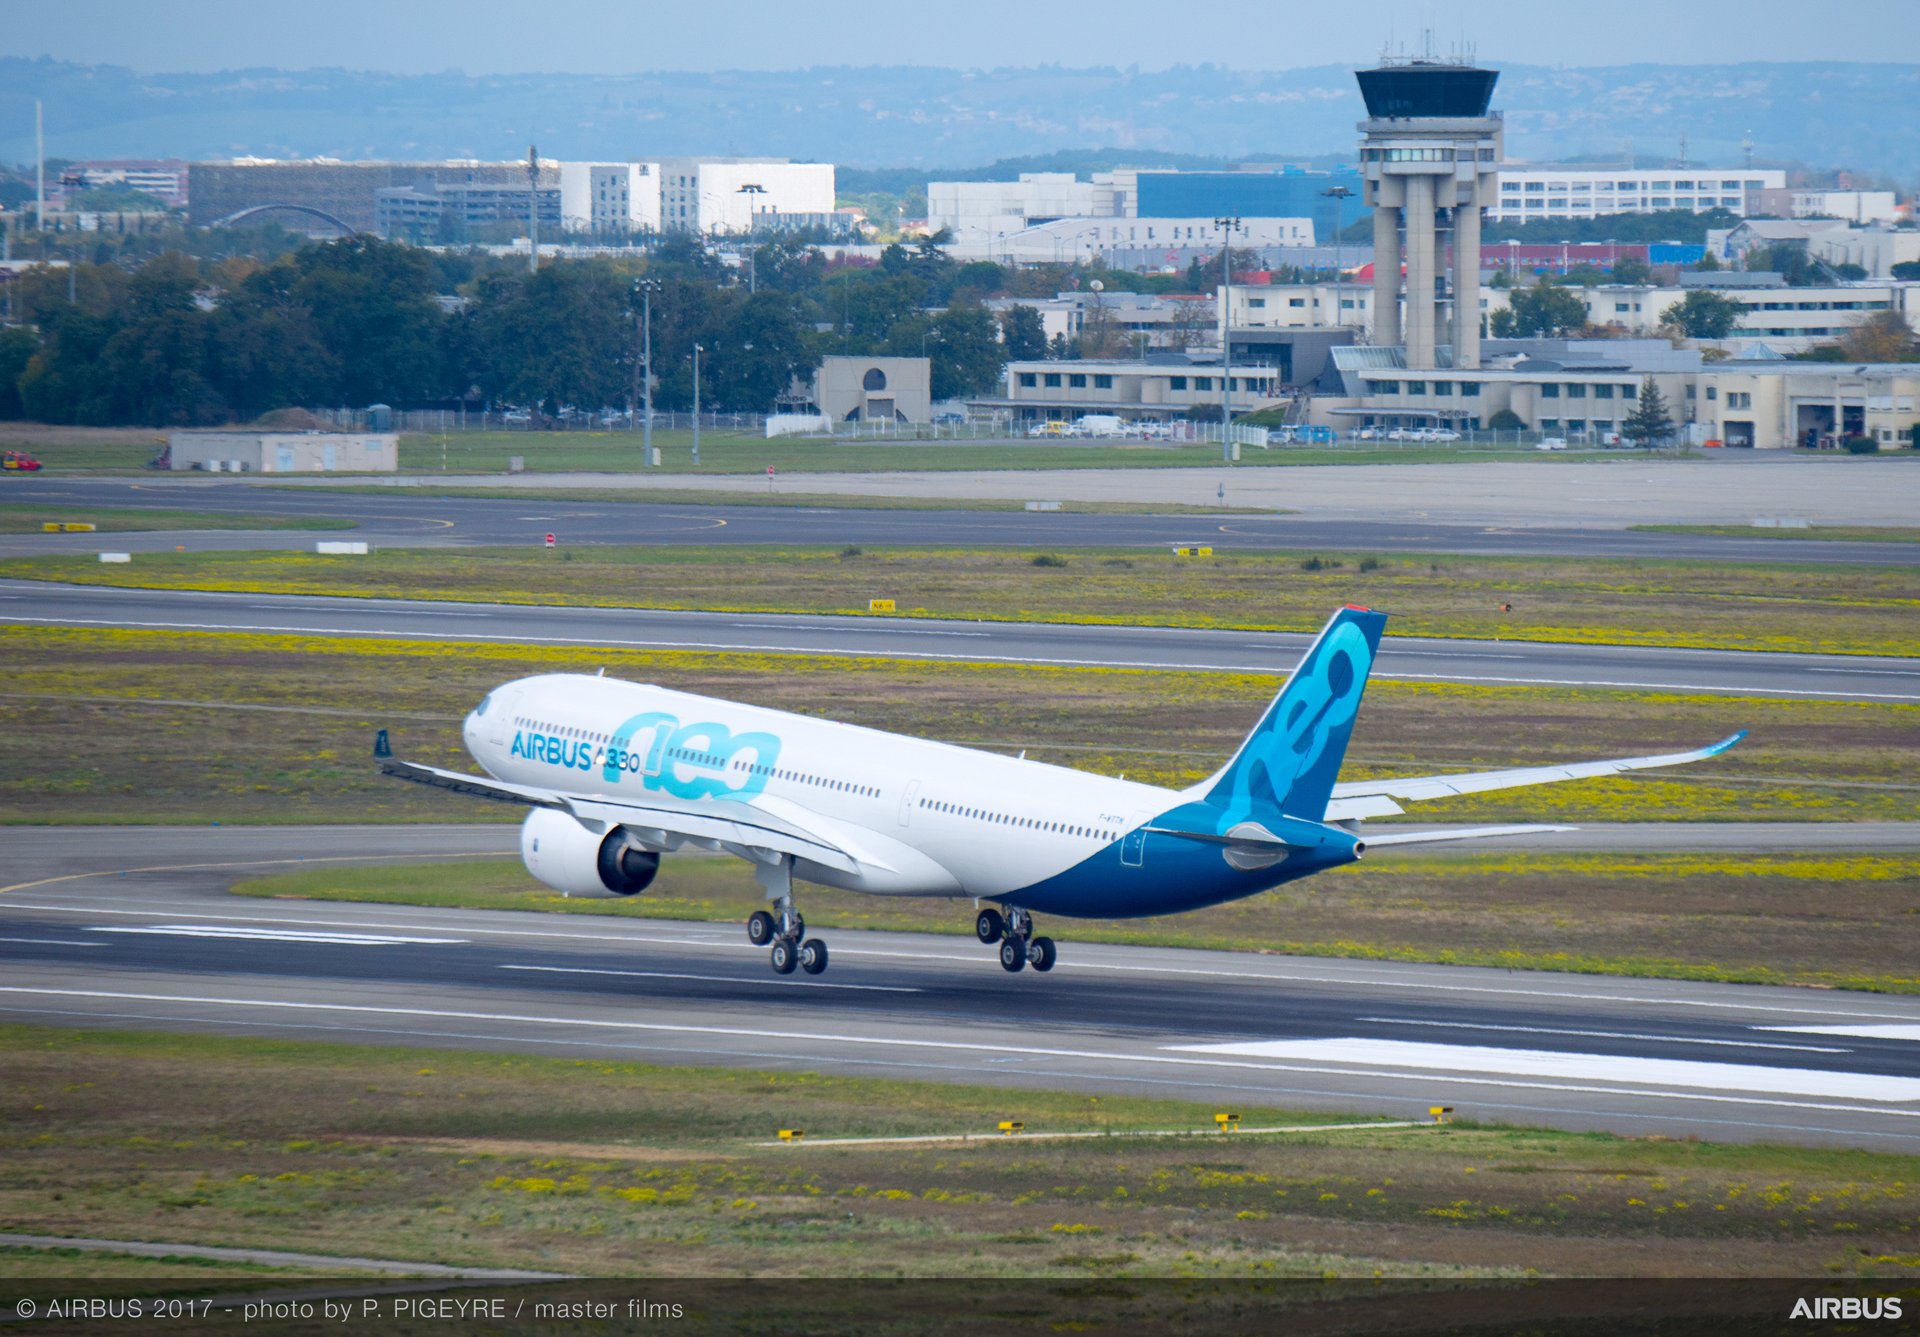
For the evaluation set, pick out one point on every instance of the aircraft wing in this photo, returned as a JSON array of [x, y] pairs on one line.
[[1376, 798], [739, 828]]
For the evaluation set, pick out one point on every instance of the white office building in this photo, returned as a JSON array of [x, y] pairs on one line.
[[1529, 191], [734, 197], [979, 213], [1300, 306], [1852, 206], [610, 199], [1077, 240]]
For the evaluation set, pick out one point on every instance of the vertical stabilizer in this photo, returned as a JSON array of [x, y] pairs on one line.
[[1289, 762]]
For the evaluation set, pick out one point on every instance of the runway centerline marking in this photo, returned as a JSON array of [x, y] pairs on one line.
[[1894, 1031], [1174, 1058], [1684, 1073], [54, 942], [716, 979], [1604, 1035], [238, 934]]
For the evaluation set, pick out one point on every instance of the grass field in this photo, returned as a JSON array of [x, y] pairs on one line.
[[1751, 919], [118, 450], [151, 726], [773, 496], [725, 452], [619, 1169], [1751, 606], [1831, 533], [26, 518]]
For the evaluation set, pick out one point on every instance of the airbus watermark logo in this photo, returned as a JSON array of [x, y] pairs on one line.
[[1848, 1307]]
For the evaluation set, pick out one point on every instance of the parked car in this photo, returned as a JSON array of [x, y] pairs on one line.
[[1551, 443], [1369, 434], [19, 462], [948, 419], [1442, 434]]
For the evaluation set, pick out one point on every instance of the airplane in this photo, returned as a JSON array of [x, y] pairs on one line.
[[617, 774]]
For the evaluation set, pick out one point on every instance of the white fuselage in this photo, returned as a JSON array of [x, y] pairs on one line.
[[945, 820]]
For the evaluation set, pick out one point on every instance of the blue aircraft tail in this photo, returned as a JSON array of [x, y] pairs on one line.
[[1290, 761]]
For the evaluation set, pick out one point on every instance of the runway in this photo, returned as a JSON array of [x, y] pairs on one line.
[[1495, 663], [403, 516], [116, 927]]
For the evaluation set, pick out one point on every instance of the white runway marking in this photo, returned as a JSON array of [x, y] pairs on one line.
[[269, 935], [1578, 1067], [1898, 1031], [54, 942], [1603, 1035], [1173, 1058], [714, 979]]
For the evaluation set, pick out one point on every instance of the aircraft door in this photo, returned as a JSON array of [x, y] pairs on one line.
[[1133, 845], [906, 804]]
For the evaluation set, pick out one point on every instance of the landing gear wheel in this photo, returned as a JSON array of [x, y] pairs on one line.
[[1041, 954], [759, 928], [1013, 955], [785, 956], [990, 927], [813, 956]]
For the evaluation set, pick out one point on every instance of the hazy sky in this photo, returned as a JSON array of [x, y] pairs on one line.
[[624, 36]]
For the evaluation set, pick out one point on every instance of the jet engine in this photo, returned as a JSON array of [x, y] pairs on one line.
[[571, 859]]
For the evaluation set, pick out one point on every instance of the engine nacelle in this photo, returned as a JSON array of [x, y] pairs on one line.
[[571, 859]]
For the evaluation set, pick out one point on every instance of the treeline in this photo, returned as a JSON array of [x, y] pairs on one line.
[[175, 340]]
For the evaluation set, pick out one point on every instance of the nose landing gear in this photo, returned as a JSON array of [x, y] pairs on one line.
[[1019, 948]]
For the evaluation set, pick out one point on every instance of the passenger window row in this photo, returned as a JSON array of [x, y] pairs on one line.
[[1028, 823]]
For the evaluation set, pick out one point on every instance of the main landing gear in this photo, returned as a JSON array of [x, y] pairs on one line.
[[785, 929], [1018, 947]]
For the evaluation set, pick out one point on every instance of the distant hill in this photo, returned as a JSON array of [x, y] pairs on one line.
[[1837, 114]]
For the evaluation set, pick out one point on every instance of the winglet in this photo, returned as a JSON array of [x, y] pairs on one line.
[[1724, 745]]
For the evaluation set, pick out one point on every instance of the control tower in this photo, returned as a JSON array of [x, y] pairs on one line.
[[1427, 153]]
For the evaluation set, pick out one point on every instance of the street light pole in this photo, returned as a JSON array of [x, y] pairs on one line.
[[696, 405], [1339, 195], [647, 289], [1226, 226]]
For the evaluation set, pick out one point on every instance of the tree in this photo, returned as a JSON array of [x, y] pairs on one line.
[[1100, 332], [1632, 269], [17, 347], [555, 336], [1707, 264], [1649, 423], [1704, 315], [1024, 334], [1545, 309], [968, 355], [1883, 336], [1908, 271], [372, 305]]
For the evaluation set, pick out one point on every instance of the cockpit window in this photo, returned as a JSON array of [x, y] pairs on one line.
[[485, 701]]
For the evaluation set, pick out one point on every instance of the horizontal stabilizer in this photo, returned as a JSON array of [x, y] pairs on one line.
[[1463, 833], [1415, 789]]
